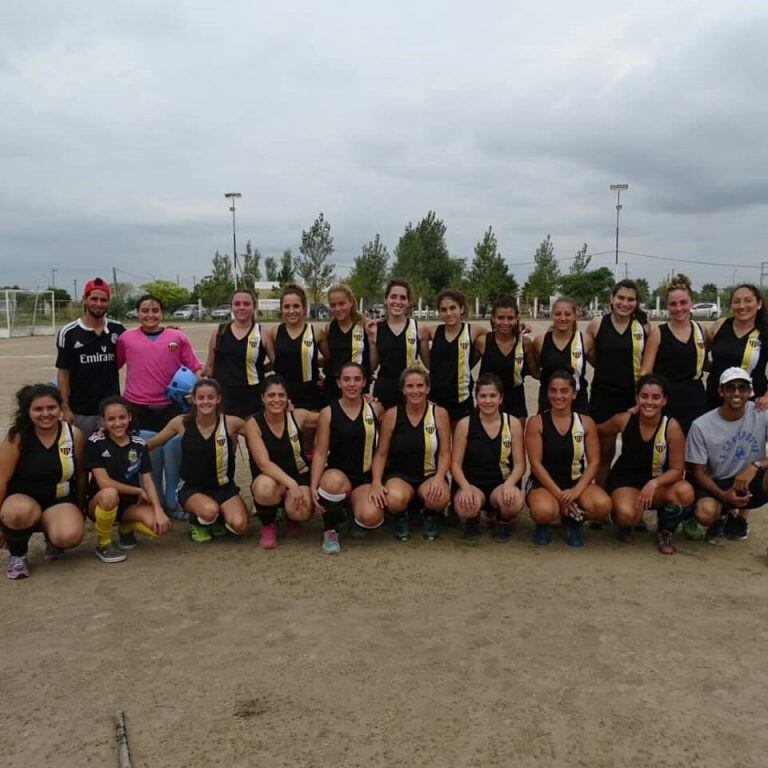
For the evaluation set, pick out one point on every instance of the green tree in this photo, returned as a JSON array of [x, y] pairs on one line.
[[580, 261], [488, 277], [366, 280], [585, 286], [251, 264], [287, 271], [270, 268], [313, 265], [545, 278], [172, 295], [708, 292], [643, 290], [216, 288]]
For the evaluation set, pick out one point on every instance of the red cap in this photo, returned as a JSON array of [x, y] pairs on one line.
[[97, 284]]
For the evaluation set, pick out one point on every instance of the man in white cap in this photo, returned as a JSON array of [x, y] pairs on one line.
[[726, 450]]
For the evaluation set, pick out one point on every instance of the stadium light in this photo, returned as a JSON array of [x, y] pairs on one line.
[[232, 196], [618, 188]]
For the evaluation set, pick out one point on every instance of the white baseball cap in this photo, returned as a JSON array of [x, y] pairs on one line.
[[734, 374]]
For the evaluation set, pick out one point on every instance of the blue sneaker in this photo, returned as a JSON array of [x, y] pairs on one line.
[[431, 532], [542, 535], [331, 544], [402, 530], [573, 537]]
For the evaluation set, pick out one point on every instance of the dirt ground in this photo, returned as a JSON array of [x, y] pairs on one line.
[[414, 654]]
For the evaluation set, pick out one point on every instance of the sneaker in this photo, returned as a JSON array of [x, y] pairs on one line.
[[126, 540], [692, 529], [331, 544], [52, 552], [357, 531], [472, 529], [542, 535], [402, 530], [17, 567], [109, 553], [715, 534], [199, 533], [501, 532], [573, 536], [430, 532], [292, 528], [268, 537], [736, 528], [218, 528], [624, 535], [641, 526], [664, 540]]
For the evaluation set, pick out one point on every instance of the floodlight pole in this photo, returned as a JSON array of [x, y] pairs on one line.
[[618, 188], [232, 197]]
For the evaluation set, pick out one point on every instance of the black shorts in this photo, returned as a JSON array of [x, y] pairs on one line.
[[414, 481], [458, 411], [532, 483], [485, 488], [622, 480], [153, 418], [219, 495], [242, 400], [603, 405], [306, 395], [759, 496], [387, 391]]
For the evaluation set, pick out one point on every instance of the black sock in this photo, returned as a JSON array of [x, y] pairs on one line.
[[17, 539], [267, 513], [333, 515]]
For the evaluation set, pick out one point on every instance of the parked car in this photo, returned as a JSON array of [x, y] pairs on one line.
[[705, 311], [132, 314], [222, 312], [376, 311], [189, 312]]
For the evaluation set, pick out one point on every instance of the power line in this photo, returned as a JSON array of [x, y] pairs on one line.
[[675, 259]]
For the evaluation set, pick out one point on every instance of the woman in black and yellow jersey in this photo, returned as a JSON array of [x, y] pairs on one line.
[[280, 430], [207, 491], [236, 357], [42, 478], [413, 457], [676, 350], [563, 348], [507, 353], [617, 341], [488, 462], [296, 346], [649, 471], [452, 355], [396, 342], [741, 341], [563, 451], [341, 467]]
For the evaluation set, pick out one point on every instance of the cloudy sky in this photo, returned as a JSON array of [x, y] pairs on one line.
[[126, 122]]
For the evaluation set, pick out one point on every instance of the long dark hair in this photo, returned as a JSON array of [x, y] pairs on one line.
[[22, 424], [761, 320], [631, 285], [203, 382]]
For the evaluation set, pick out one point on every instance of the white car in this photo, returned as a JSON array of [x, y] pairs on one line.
[[705, 311], [189, 312], [223, 312]]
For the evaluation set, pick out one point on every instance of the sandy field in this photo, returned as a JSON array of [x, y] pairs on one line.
[[392, 654]]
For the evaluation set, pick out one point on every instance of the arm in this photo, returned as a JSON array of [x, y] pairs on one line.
[[321, 339], [651, 350], [614, 425], [188, 356], [592, 446], [9, 458], [425, 335], [433, 486], [162, 523], [518, 453], [250, 431], [306, 418], [322, 441], [674, 472], [591, 335], [174, 427], [81, 475], [62, 382], [268, 341], [531, 358], [457, 455], [728, 497], [211, 359], [378, 493]]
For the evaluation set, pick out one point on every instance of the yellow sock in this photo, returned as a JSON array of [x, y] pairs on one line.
[[104, 518], [137, 527]]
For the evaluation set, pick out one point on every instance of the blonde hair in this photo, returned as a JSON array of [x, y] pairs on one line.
[[680, 282], [354, 313], [574, 307]]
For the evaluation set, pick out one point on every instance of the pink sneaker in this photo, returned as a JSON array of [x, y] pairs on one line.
[[268, 537], [292, 529]]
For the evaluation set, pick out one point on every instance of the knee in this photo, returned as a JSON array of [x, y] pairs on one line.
[[334, 481], [107, 498], [705, 513], [369, 516], [68, 538], [682, 494], [265, 490], [512, 508], [207, 512], [238, 524], [20, 516], [544, 514], [625, 516], [396, 501], [299, 514], [601, 507]]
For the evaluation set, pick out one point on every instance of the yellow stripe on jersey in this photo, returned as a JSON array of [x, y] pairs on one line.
[[698, 341], [411, 343], [369, 425], [579, 449], [430, 441], [463, 368], [66, 447], [222, 452], [506, 446], [577, 358], [295, 438], [252, 348], [307, 352], [659, 448], [638, 344], [358, 344], [518, 360], [751, 351]]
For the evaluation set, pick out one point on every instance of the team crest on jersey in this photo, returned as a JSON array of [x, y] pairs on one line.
[[578, 437], [507, 442], [173, 346], [307, 342], [754, 343], [221, 440], [65, 450], [113, 338], [133, 456], [660, 447], [430, 428], [358, 335], [253, 343], [638, 335], [576, 353], [412, 339], [368, 418], [464, 344], [294, 438]]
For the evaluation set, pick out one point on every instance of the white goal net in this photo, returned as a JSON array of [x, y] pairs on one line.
[[27, 313]]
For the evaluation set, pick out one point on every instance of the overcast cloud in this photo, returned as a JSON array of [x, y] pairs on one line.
[[124, 123]]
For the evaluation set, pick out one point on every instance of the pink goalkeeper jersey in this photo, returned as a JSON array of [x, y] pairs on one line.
[[151, 362]]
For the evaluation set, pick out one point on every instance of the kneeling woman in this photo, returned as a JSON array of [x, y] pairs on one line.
[[564, 453], [207, 490], [413, 456], [121, 483], [42, 479], [344, 448], [649, 471], [288, 483], [488, 462]]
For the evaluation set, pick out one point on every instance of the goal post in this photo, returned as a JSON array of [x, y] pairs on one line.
[[27, 313]]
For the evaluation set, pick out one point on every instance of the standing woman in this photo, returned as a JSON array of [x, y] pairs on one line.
[[739, 341], [507, 353], [451, 356], [413, 457], [676, 350], [236, 354], [649, 471], [563, 348], [617, 341], [42, 478], [345, 339], [563, 450], [488, 462], [344, 448], [397, 343]]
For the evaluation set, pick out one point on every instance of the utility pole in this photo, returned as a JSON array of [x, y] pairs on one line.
[[74, 295], [232, 197], [763, 272], [53, 278], [115, 286], [618, 188]]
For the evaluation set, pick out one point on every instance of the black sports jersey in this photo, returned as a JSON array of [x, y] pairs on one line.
[[239, 362], [397, 351], [296, 360], [640, 460], [90, 359], [414, 450], [46, 474], [618, 357], [346, 346], [749, 352], [451, 367], [488, 460], [563, 456], [570, 358], [207, 462], [123, 463], [680, 360], [511, 368], [352, 441], [286, 451]]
